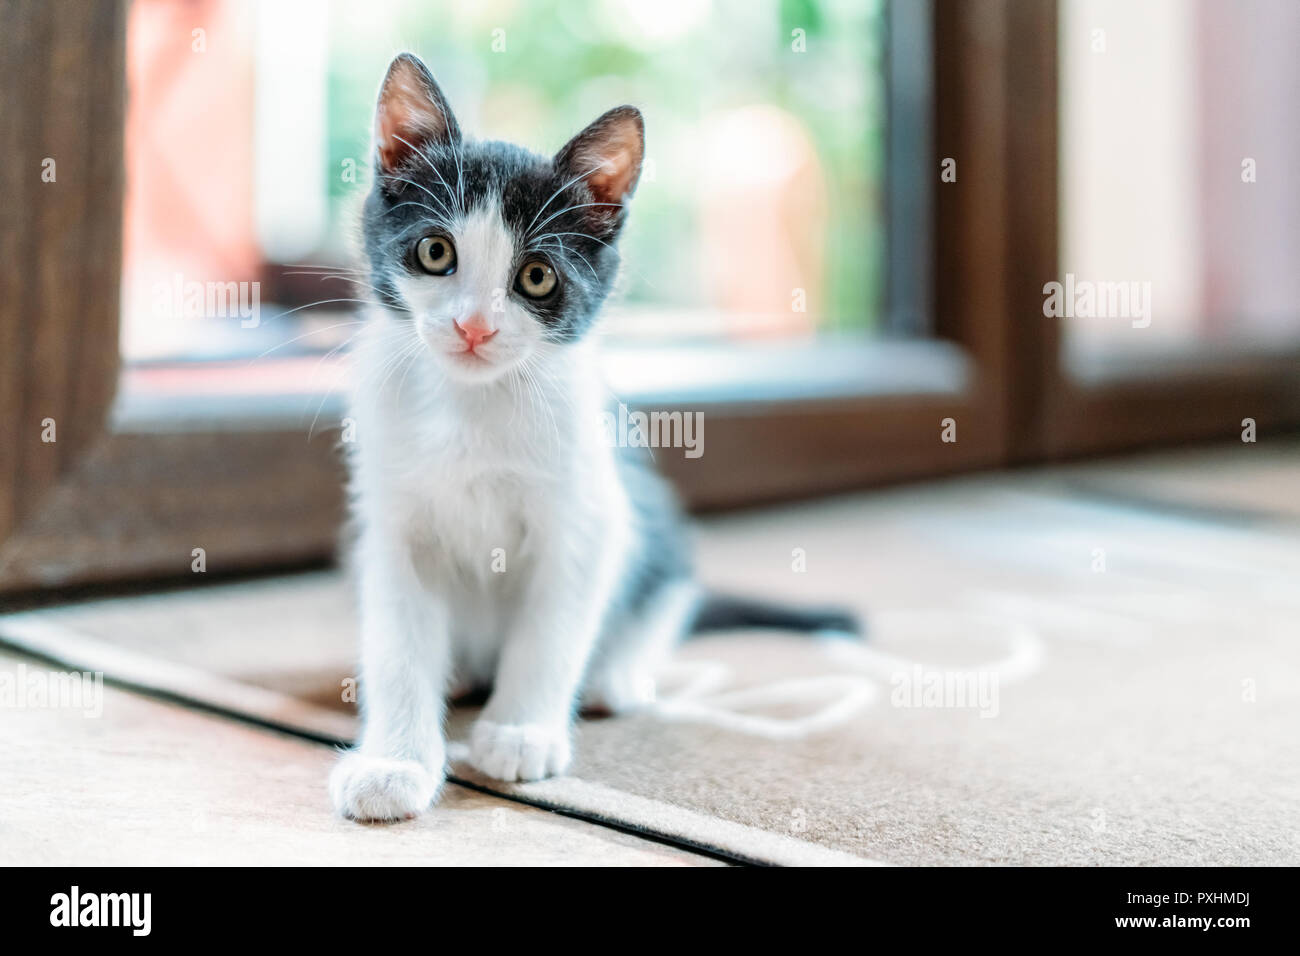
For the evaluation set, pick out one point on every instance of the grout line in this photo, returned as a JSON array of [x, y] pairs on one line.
[[654, 836], [175, 697]]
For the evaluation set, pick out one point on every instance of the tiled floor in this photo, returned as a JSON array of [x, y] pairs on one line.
[[145, 782]]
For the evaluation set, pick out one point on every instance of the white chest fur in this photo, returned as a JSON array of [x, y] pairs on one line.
[[479, 484]]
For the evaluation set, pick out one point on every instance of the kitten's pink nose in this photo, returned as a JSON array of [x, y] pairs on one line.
[[475, 330]]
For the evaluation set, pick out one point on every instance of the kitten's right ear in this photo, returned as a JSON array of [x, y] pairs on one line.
[[607, 155], [412, 113]]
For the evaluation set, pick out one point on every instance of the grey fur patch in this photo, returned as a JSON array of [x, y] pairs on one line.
[[544, 207]]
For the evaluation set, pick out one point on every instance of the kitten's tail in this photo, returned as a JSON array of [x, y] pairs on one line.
[[725, 612]]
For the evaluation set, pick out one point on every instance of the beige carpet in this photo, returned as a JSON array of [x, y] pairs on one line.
[[1050, 679]]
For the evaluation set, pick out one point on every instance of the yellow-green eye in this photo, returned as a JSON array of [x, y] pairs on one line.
[[436, 255], [537, 280]]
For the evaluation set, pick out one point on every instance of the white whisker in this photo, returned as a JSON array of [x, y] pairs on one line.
[[557, 192]]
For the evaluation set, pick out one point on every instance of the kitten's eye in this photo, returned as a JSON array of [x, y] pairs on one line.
[[537, 280], [436, 255]]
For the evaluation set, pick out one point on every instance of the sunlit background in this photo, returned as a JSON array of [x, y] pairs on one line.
[[1162, 102], [758, 213], [762, 210]]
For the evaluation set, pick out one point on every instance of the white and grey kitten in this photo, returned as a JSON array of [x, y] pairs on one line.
[[503, 543]]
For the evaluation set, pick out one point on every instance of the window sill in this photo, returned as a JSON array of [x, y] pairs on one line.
[[309, 393]]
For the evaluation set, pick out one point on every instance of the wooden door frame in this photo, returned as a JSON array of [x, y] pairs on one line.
[[1057, 416]]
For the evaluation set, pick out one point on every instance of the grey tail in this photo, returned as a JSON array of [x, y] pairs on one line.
[[724, 612]]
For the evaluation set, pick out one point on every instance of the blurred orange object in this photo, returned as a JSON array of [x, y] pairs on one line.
[[763, 220], [189, 159]]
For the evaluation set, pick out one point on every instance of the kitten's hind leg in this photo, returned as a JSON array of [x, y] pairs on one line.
[[621, 678]]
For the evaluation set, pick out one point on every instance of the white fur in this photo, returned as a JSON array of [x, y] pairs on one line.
[[622, 678], [452, 461]]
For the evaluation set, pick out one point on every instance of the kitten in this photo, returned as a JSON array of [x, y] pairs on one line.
[[502, 542]]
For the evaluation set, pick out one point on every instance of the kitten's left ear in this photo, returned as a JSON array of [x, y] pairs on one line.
[[607, 154]]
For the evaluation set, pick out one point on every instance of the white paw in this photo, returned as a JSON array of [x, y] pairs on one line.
[[381, 788], [519, 751]]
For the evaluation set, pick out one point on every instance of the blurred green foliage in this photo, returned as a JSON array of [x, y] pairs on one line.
[[536, 71]]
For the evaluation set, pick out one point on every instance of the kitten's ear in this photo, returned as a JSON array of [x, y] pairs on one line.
[[412, 113], [607, 154]]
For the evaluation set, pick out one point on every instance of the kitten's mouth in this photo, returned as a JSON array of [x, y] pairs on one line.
[[471, 357], [478, 364]]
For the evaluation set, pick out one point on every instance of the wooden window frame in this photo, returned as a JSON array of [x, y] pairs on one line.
[[115, 499], [1058, 415]]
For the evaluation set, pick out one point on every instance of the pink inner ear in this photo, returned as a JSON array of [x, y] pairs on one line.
[[405, 112], [619, 160]]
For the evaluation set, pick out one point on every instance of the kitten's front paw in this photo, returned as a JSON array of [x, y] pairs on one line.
[[380, 788], [519, 751]]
